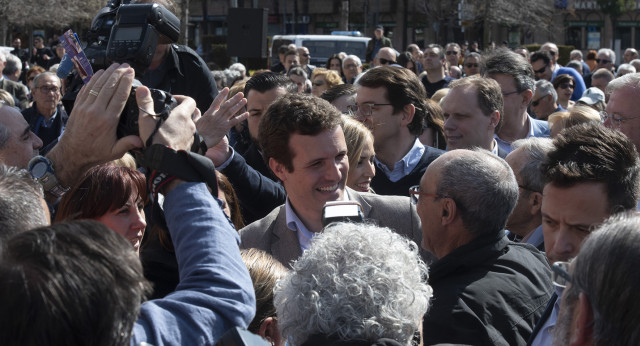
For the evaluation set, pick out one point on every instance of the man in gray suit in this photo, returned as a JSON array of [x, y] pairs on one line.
[[17, 90], [303, 143]]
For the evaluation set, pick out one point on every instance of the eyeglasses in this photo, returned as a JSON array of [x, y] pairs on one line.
[[560, 274], [537, 102], [603, 61], [470, 65], [306, 55], [541, 70], [365, 109], [616, 119], [318, 83], [384, 61], [415, 194], [46, 89], [452, 52], [566, 86]]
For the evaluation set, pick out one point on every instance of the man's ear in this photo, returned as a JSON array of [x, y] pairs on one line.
[[527, 95], [408, 111], [449, 211], [278, 169], [535, 202], [495, 119], [582, 333], [269, 330]]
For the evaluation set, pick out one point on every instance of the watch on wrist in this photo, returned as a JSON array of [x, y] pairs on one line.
[[41, 169]]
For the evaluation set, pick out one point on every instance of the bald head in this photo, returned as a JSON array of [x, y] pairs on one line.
[[385, 56]]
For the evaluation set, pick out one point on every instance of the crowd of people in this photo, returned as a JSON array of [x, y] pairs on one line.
[[495, 196]]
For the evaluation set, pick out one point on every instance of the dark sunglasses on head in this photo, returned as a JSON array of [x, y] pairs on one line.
[[384, 61], [451, 52], [566, 86], [603, 61], [471, 64]]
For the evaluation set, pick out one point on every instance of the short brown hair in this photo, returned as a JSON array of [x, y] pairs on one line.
[[403, 88], [489, 94], [294, 113]]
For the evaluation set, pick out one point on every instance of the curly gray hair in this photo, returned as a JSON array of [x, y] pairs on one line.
[[356, 282]]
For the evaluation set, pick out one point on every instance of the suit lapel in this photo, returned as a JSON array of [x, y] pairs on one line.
[[355, 196], [285, 244]]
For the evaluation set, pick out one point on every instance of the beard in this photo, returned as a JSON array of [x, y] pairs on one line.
[[562, 329]]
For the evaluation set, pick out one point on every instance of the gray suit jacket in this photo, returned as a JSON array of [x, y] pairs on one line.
[[272, 235], [17, 90]]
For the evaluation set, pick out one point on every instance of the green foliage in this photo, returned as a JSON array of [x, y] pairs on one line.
[[615, 8]]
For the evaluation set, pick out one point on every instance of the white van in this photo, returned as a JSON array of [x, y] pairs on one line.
[[321, 47]]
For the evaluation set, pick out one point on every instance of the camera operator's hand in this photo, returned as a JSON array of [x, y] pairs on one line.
[[221, 116], [90, 136], [177, 131]]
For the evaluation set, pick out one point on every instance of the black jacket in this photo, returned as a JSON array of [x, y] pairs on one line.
[[49, 136], [488, 292]]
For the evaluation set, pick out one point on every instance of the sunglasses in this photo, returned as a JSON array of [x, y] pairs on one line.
[[603, 61], [452, 52], [566, 86], [536, 102], [306, 55], [541, 70], [471, 64], [384, 61]]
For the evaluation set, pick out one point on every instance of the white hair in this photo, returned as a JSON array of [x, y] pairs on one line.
[[356, 282]]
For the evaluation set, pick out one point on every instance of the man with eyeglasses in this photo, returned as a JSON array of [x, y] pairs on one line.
[[351, 68], [391, 102], [487, 290], [601, 294], [304, 56], [544, 67], [46, 117], [515, 77], [434, 65], [591, 173], [525, 222], [623, 108], [545, 100]]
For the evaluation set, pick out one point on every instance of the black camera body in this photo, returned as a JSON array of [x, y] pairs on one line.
[[133, 39], [136, 33]]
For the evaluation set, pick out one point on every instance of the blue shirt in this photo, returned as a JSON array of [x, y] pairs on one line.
[[406, 165], [545, 336], [537, 128], [295, 224]]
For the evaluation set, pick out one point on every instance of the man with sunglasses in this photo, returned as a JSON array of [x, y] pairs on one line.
[[385, 56], [487, 290], [434, 64], [544, 67], [601, 294], [591, 173], [303, 54], [545, 100], [471, 64], [452, 50]]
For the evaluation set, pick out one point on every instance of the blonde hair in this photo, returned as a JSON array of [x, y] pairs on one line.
[[332, 77], [356, 136]]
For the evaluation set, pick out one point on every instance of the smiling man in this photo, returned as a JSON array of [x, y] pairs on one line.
[[591, 173], [303, 143]]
